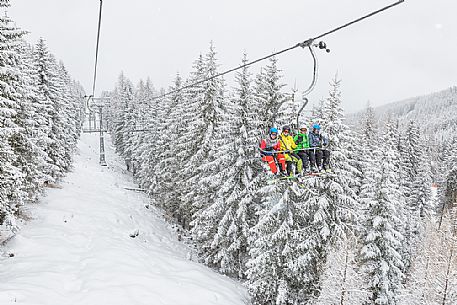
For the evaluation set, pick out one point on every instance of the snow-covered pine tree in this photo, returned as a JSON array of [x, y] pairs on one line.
[[369, 137], [381, 253], [40, 111], [50, 89], [402, 169], [121, 120], [369, 152], [29, 147], [167, 164], [138, 112], [411, 160], [60, 148], [341, 280], [272, 242], [140, 128], [188, 144], [335, 200], [222, 228], [77, 93], [447, 160], [12, 134], [268, 95], [416, 182], [422, 187], [114, 109], [146, 150], [369, 127], [337, 191], [450, 197], [44, 105], [129, 119], [450, 194], [209, 105], [71, 109], [288, 245]]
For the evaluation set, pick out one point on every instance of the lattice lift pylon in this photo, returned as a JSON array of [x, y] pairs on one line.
[[99, 103]]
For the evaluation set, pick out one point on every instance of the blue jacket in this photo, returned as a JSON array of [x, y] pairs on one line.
[[317, 140]]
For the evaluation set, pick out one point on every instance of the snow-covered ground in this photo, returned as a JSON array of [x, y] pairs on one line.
[[78, 249]]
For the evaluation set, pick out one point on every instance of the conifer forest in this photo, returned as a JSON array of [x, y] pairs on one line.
[[375, 231]]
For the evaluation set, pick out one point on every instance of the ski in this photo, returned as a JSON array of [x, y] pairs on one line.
[[282, 178]]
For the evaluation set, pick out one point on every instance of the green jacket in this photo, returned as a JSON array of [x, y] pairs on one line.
[[301, 140]]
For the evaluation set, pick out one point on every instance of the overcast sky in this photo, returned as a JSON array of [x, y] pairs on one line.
[[407, 51]]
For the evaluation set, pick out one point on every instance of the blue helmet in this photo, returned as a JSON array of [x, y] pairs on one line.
[[273, 130], [317, 126]]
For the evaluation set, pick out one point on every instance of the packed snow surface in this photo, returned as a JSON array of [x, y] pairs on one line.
[[94, 242]]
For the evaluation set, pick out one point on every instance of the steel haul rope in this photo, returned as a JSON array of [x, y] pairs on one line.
[[303, 44], [96, 48]]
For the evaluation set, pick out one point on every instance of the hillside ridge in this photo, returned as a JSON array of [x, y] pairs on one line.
[[435, 113]]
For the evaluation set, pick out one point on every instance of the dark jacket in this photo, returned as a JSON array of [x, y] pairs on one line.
[[317, 140]]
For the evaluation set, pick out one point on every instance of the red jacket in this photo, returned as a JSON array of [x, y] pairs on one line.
[[268, 145]]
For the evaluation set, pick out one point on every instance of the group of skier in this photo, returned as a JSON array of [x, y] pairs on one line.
[[308, 151]]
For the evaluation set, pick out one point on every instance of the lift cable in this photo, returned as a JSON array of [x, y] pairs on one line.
[[307, 43], [96, 48]]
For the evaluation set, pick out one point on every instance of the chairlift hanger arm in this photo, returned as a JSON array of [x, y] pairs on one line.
[[301, 110], [315, 69]]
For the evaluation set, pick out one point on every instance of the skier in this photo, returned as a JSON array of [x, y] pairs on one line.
[[301, 139], [268, 147], [319, 151], [288, 144]]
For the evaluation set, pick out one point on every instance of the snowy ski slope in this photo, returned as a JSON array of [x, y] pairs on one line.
[[78, 249]]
